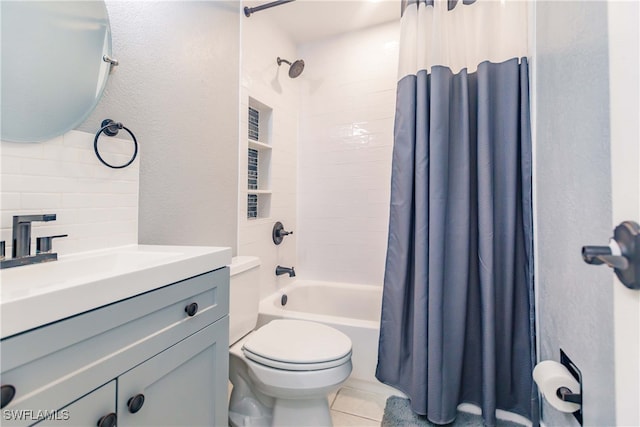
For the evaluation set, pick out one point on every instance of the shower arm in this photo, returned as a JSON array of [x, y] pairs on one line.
[[249, 10]]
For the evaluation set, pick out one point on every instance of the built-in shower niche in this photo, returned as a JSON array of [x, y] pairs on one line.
[[259, 159]]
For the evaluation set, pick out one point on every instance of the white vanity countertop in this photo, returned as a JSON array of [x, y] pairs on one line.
[[34, 295]]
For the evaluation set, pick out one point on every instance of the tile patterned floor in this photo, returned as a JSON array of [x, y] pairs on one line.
[[353, 407]]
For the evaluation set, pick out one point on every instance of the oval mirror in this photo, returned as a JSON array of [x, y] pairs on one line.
[[53, 72]]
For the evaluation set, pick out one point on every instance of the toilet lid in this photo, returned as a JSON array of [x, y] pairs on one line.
[[298, 342]]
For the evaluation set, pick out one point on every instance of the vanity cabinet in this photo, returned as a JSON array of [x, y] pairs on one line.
[[156, 359], [89, 410], [178, 384]]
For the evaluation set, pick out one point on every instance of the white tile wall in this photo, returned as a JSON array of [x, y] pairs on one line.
[[345, 149], [263, 80], [95, 205]]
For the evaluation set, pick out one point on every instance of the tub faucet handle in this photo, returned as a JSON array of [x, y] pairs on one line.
[[278, 233]]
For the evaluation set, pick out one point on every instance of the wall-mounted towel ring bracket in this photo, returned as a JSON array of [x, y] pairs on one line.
[[111, 128], [622, 254]]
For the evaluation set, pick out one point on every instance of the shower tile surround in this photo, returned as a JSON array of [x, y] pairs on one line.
[[345, 149], [331, 139], [96, 206], [266, 88]]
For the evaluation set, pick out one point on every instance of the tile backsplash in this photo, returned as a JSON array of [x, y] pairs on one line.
[[95, 205]]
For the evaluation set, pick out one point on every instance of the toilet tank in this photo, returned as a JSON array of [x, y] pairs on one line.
[[244, 296]]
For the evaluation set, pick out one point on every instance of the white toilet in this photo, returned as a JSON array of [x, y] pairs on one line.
[[282, 372]]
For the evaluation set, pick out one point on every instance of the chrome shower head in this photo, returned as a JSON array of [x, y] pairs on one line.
[[295, 69]]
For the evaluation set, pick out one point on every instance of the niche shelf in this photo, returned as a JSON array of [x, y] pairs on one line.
[[256, 145], [259, 124]]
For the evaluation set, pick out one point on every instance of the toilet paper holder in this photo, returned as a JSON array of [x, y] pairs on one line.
[[622, 254], [566, 394], [560, 385]]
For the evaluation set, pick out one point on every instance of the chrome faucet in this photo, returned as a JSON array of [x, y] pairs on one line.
[[21, 244], [22, 233], [285, 270]]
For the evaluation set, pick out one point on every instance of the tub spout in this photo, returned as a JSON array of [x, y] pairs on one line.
[[285, 270]]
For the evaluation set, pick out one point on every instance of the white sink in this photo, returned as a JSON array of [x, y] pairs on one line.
[[34, 295]]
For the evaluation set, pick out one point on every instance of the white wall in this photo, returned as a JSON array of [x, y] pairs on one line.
[[573, 199], [263, 80], [177, 88], [345, 148], [95, 205]]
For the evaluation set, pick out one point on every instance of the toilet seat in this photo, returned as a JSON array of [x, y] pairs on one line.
[[297, 345], [287, 366]]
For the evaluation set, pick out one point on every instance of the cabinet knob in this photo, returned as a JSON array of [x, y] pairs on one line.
[[108, 420], [191, 309], [135, 403], [8, 392]]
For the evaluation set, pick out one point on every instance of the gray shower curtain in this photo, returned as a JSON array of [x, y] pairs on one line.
[[457, 314]]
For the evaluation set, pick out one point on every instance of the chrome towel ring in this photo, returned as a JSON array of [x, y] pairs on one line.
[[111, 128]]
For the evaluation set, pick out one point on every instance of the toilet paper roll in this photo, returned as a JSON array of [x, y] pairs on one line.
[[550, 375]]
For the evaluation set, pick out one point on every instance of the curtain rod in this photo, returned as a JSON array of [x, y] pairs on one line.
[[249, 10]]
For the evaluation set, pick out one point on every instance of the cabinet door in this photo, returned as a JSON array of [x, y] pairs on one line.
[[86, 411], [185, 385]]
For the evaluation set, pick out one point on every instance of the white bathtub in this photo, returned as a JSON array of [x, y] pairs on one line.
[[352, 309]]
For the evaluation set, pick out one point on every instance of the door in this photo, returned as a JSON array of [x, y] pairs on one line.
[[185, 385], [625, 160], [99, 405]]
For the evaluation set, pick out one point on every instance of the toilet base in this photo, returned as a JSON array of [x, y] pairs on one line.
[[285, 413], [240, 420], [302, 412]]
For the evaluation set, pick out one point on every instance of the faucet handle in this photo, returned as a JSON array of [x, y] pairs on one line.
[[278, 233], [43, 244]]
